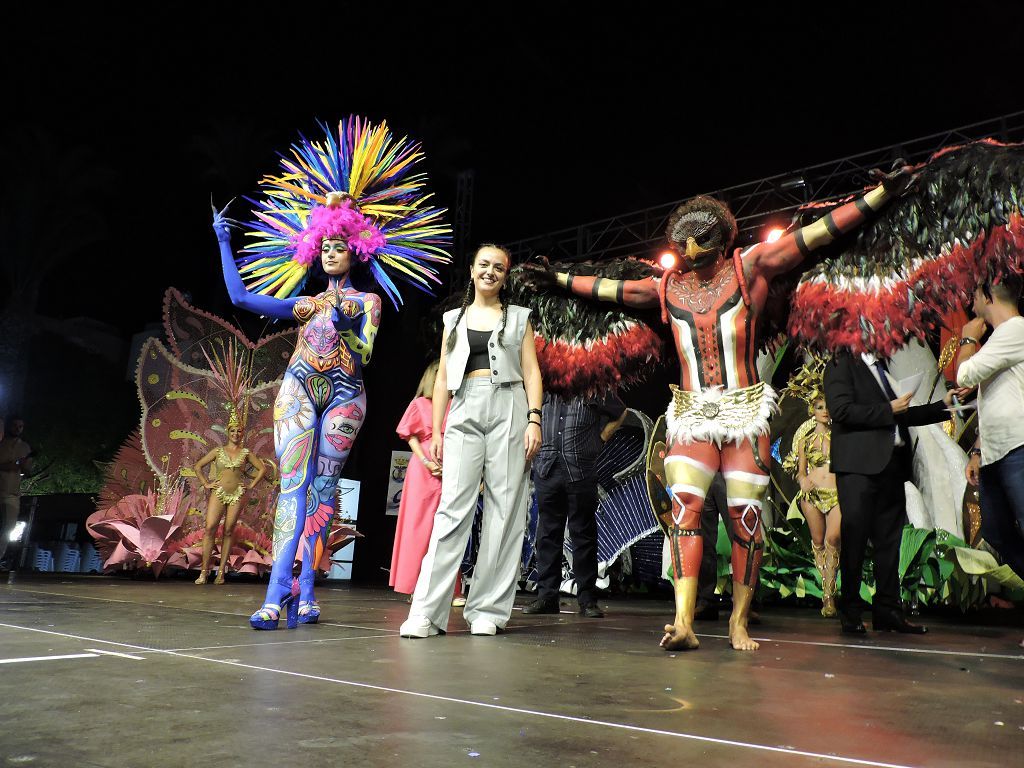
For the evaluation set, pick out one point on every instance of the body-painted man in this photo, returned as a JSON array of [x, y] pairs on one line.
[[718, 417]]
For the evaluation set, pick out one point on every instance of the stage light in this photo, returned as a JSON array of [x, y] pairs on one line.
[[774, 234], [16, 531], [667, 259]]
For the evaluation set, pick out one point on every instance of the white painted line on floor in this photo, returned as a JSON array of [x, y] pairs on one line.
[[356, 626], [180, 608], [518, 608], [485, 705], [282, 642], [896, 649], [565, 718], [120, 655], [49, 658], [79, 637]]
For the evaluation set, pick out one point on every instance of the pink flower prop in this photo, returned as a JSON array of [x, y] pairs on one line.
[[250, 550], [134, 535]]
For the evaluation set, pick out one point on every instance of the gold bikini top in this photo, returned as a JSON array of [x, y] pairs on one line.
[[224, 461], [814, 448]]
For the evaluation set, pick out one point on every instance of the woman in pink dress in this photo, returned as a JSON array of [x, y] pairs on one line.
[[421, 492]]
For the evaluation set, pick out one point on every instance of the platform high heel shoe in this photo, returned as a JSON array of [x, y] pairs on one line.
[[268, 616], [309, 610]]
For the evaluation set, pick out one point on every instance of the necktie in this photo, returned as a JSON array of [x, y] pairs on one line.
[[881, 368], [902, 437]]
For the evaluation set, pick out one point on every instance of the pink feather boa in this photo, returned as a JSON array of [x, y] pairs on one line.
[[343, 221]]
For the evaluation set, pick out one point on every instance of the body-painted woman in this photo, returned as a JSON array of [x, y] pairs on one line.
[[349, 201], [320, 407]]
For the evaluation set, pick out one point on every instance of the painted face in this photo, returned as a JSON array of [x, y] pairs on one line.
[[698, 236], [342, 426], [820, 411], [489, 271], [335, 257]]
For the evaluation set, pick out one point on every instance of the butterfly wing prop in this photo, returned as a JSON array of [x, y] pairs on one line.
[[193, 334]]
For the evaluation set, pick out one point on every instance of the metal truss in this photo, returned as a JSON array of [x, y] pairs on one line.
[[465, 184], [774, 199]]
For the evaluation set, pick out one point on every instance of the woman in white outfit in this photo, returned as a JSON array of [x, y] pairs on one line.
[[489, 363]]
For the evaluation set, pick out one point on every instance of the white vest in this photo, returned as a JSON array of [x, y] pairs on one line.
[[505, 359]]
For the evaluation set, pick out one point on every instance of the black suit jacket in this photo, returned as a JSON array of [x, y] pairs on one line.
[[863, 421]]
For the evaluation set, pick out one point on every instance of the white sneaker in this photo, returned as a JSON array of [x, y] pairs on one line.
[[418, 626], [483, 627], [458, 602]]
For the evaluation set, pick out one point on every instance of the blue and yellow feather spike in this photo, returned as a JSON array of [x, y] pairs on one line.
[[379, 172]]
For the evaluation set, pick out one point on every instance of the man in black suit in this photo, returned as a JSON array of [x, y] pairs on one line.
[[565, 479], [871, 458]]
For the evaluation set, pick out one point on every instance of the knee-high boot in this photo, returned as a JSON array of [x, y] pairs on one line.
[[828, 564]]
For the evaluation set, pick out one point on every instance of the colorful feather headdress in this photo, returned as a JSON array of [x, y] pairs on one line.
[[358, 185]]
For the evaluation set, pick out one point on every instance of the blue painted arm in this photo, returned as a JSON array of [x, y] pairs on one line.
[[268, 306]]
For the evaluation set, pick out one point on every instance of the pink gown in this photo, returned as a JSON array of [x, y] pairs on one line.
[[421, 494]]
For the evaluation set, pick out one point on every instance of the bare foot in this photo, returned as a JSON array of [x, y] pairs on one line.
[[679, 638], [739, 639], [202, 577]]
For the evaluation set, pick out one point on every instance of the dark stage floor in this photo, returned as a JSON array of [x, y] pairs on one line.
[[112, 672]]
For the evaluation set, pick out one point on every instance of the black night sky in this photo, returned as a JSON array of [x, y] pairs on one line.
[[564, 113], [565, 116]]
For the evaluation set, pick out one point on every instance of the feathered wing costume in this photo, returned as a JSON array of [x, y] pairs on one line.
[[585, 348], [898, 277], [892, 281]]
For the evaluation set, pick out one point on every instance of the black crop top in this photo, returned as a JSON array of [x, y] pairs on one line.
[[478, 351]]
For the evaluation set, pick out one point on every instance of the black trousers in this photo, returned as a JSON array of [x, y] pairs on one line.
[[874, 508], [559, 500], [715, 507]]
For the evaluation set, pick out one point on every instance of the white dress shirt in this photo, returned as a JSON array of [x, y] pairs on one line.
[[870, 360], [997, 369]]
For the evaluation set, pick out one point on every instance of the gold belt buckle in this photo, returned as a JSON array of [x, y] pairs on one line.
[[710, 410]]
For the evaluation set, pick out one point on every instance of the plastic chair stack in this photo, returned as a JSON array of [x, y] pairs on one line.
[[90, 562], [67, 558], [41, 559]]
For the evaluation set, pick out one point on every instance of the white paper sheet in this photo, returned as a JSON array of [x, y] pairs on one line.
[[909, 385]]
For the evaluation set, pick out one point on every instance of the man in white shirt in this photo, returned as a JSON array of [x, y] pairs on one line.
[[997, 369]]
